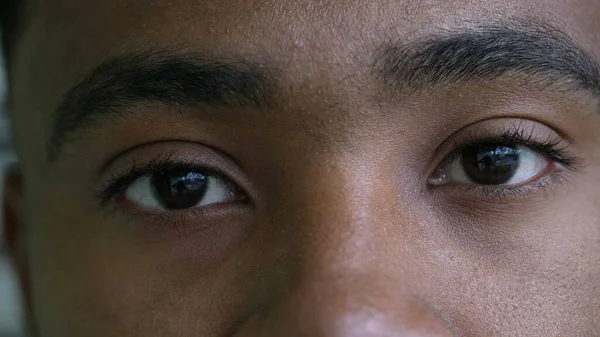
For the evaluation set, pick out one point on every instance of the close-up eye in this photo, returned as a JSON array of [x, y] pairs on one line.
[[167, 184], [491, 164], [179, 190], [504, 155]]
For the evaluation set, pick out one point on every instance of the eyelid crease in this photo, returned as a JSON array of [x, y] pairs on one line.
[[207, 148]]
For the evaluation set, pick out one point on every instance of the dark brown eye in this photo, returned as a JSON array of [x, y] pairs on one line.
[[179, 190], [493, 165], [490, 164]]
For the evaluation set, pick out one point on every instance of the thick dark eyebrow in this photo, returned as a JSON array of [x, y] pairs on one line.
[[535, 51], [158, 77]]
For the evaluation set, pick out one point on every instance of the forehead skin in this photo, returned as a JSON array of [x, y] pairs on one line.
[[336, 249], [311, 40]]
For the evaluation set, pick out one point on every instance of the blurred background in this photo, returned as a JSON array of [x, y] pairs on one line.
[[9, 308]]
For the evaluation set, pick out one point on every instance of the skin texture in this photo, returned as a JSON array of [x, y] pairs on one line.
[[343, 235]]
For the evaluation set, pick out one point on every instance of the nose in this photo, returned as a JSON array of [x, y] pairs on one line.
[[352, 276], [346, 306]]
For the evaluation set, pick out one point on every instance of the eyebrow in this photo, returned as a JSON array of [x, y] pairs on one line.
[[158, 77], [537, 51]]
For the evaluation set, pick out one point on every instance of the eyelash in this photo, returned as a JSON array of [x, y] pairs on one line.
[[550, 147], [118, 183], [517, 136]]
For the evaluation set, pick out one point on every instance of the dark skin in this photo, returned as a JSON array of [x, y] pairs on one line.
[[338, 219]]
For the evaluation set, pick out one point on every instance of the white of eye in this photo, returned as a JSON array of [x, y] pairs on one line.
[[531, 164], [142, 193]]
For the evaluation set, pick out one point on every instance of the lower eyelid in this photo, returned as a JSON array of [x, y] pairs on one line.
[[521, 195], [158, 227]]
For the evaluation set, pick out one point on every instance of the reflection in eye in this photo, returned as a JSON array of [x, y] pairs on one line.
[[489, 164], [177, 190]]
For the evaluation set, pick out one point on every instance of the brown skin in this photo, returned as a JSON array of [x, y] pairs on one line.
[[343, 236]]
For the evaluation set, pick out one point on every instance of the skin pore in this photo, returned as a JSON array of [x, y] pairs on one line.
[[332, 134]]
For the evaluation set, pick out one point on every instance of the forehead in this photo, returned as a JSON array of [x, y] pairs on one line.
[[285, 31], [315, 43]]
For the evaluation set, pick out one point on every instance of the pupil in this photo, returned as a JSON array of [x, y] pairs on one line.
[[490, 164], [180, 189]]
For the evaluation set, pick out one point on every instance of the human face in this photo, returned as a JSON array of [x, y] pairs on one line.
[[308, 168]]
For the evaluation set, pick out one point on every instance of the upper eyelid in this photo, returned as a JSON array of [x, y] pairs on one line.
[[207, 150], [532, 132], [182, 152]]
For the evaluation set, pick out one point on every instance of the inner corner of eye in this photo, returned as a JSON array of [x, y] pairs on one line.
[[439, 176]]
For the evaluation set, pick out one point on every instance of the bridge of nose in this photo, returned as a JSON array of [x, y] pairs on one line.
[[355, 266]]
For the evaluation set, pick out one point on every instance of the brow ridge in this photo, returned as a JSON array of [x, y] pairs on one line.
[[158, 77]]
